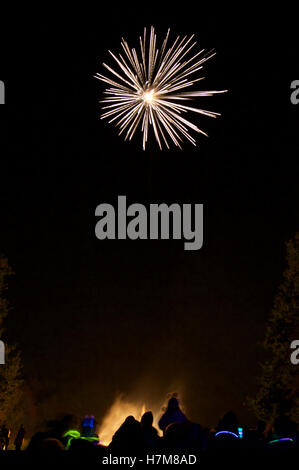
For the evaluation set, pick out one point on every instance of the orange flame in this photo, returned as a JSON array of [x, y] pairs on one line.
[[116, 415]]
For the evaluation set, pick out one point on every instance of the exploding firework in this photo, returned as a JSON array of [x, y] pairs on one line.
[[150, 89]]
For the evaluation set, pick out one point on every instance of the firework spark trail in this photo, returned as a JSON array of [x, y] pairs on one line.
[[145, 92]]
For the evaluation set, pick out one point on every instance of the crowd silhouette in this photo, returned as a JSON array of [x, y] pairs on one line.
[[177, 433]]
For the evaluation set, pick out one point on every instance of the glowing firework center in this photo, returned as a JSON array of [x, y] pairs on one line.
[[149, 97], [150, 89]]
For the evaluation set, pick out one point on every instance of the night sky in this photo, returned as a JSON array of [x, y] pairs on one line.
[[93, 318]]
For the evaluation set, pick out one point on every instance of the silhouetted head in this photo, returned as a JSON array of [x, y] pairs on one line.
[[181, 435], [229, 422], [147, 419], [60, 426], [173, 404], [130, 425], [51, 444], [130, 420]]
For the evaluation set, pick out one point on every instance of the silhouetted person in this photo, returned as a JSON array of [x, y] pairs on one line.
[[20, 438], [59, 427], [173, 414], [255, 438], [2, 439], [128, 436], [260, 433], [149, 434], [284, 433], [5, 435], [88, 426], [52, 445], [56, 431], [226, 435], [229, 422], [182, 436]]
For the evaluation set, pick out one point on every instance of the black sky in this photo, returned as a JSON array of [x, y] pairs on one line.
[[93, 318]]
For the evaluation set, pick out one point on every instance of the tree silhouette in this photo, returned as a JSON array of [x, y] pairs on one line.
[[279, 383]]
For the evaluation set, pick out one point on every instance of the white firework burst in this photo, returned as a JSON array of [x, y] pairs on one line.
[[150, 89]]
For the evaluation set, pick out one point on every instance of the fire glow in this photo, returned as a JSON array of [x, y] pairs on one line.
[[119, 411]]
